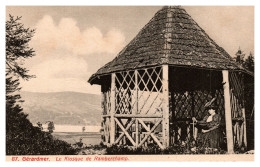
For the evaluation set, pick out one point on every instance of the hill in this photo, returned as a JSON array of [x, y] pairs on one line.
[[63, 108]]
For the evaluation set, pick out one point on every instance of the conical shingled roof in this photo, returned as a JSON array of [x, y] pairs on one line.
[[170, 37]]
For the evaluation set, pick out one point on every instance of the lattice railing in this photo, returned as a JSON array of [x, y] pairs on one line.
[[236, 92], [138, 131], [136, 110], [237, 109]]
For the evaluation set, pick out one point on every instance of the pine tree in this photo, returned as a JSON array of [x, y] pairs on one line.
[[17, 47], [240, 56], [249, 62]]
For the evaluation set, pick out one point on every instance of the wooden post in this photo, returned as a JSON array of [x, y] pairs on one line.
[[165, 86], [229, 130], [136, 109], [113, 108]]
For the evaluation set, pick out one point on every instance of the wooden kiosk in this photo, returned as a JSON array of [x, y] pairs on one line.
[[163, 78]]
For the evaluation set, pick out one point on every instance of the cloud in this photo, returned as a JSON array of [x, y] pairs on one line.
[[66, 35], [61, 50]]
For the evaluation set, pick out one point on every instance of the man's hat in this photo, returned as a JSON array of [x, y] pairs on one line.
[[210, 104]]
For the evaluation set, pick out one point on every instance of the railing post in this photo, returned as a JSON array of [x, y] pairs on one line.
[[102, 113], [113, 108], [229, 129], [165, 91]]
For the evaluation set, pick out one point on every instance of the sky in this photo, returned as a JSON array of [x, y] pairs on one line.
[[72, 43]]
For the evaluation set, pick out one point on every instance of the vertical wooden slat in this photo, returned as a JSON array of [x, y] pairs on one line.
[[188, 131], [228, 119], [106, 126], [243, 110], [136, 132], [193, 113], [241, 135], [165, 86], [113, 107], [103, 112], [244, 124], [195, 133], [179, 134]]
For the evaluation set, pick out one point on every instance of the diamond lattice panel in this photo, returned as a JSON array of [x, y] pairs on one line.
[[125, 83]]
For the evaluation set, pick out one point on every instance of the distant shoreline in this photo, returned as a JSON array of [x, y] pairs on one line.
[[71, 128]]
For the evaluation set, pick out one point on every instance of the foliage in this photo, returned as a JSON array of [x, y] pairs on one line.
[[184, 148], [79, 144], [29, 140], [100, 146], [39, 124], [22, 138], [94, 150], [246, 61], [249, 62], [17, 47]]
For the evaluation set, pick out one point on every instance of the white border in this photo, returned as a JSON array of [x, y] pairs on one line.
[[4, 3]]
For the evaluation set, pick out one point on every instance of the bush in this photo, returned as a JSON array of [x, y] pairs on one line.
[[22, 138], [100, 146], [181, 148]]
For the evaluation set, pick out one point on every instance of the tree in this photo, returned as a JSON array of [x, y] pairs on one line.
[[249, 62], [51, 126], [17, 50], [83, 129], [240, 56], [39, 124]]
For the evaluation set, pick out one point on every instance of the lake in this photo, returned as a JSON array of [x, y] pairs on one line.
[[88, 138]]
